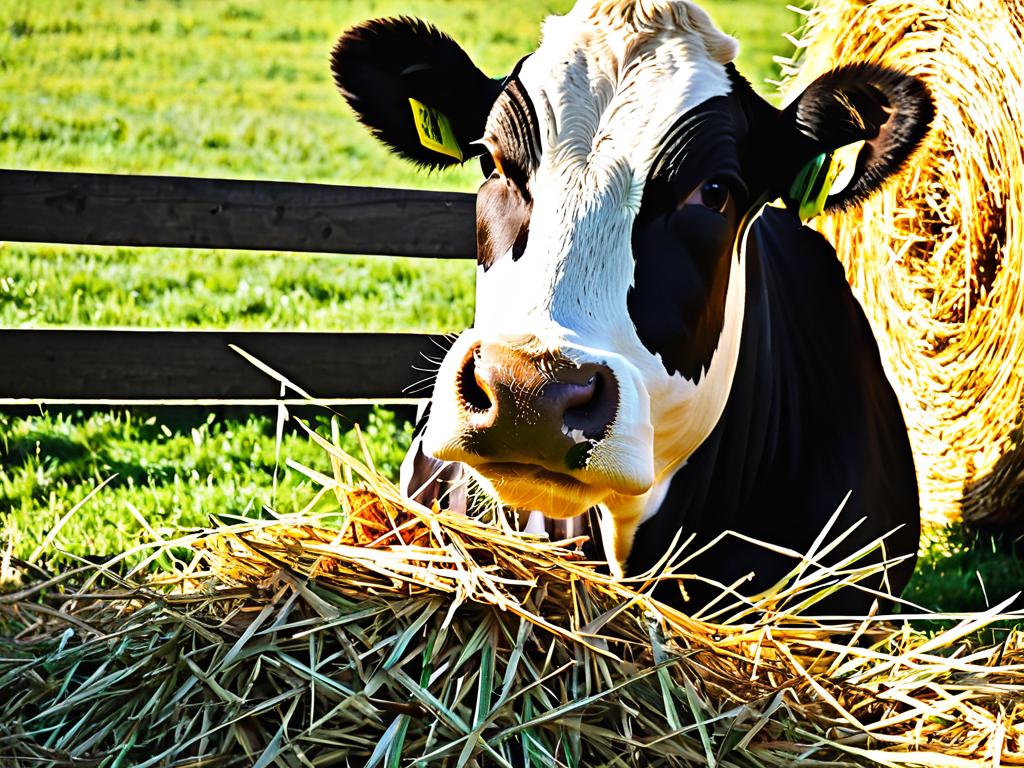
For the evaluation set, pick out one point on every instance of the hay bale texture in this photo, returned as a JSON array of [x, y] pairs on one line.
[[937, 258]]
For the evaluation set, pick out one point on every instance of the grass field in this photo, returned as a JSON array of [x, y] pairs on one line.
[[242, 89]]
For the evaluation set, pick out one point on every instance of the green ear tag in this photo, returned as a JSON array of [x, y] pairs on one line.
[[811, 187], [434, 129]]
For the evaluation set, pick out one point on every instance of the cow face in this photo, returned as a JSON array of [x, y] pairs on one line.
[[624, 162]]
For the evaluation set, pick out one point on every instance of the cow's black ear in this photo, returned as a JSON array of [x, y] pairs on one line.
[[858, 125], [415, 89]]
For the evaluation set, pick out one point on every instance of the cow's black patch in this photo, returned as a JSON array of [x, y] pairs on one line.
[[681, 252], [810, 417], [504, 202], [503, 212], [514, 131]]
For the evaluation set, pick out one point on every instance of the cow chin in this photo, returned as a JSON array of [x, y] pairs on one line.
[[618, 469], [530, 487]]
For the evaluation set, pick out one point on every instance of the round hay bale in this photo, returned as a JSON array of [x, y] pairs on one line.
[[936, 257]]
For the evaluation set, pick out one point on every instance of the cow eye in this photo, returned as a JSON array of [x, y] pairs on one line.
[[713, 194]]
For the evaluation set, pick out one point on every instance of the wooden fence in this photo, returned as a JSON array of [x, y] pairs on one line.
[[165, 366]]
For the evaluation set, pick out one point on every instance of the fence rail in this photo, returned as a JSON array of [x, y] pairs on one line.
[[185, 366], [160, 366], [170, 211]]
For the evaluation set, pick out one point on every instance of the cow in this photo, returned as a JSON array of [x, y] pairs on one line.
[[658, 336]]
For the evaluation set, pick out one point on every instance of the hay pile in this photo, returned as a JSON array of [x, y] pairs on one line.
[[368, 630], [937, 258]]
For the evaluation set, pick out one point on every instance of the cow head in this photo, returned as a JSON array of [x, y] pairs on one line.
[[624, 160]]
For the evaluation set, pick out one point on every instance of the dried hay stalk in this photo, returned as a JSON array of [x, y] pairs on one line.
[[937, 258], [401, 635]]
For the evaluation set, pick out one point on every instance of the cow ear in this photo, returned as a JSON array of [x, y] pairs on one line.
[[415, 89], [858, 125]]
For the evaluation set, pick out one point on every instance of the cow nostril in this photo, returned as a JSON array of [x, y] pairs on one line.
[[592, 406], [583, 394], [471, 389]]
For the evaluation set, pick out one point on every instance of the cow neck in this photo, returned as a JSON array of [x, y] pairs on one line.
[[738, 474]]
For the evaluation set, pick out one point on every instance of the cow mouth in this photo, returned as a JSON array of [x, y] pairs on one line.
[[532, 487], [521, 471]]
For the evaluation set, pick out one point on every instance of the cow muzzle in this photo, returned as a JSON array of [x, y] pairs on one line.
[[536, 423], [534, 409]]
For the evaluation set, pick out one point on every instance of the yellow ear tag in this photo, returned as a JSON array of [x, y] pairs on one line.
[[434, 130], [844, 165], [824, 175], [810, 188]]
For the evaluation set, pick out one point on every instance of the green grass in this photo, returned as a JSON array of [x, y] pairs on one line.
[[74, 285], [242, 90], [962, 570], [175, 470]]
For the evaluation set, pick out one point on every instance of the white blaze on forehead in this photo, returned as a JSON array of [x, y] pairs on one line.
[[614, 76]]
